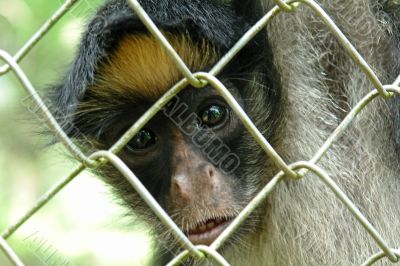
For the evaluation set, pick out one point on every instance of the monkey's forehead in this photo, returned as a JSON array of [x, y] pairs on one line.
[[200, 19], [140, 65]]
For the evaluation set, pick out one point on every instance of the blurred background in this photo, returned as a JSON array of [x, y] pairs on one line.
[[81, 226]]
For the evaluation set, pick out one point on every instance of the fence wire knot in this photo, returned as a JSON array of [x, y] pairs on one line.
[[199, 80]]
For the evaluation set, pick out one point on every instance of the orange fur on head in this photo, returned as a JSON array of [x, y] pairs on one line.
[[140, 65]]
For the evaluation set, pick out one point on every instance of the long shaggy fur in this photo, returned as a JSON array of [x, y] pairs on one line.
[[298, 85], [306, 224]]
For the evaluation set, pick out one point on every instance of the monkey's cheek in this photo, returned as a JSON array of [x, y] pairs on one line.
[[207, 233]]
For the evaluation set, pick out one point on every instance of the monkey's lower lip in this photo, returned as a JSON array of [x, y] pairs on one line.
[[207, 232]]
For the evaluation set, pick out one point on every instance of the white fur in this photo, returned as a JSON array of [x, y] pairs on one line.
[[306, 224]]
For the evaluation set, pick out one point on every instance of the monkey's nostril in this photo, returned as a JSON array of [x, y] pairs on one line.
[[181, 188], [176, 185], [210, 172]]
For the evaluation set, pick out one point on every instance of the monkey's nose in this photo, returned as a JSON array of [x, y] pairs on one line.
[[181, 188], [193, 183]]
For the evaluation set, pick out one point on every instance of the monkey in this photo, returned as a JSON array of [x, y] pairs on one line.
[[295, 82]]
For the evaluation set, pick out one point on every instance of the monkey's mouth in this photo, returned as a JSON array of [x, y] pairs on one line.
[[206, 232]]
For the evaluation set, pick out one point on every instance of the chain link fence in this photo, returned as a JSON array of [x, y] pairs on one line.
[[294, 171]]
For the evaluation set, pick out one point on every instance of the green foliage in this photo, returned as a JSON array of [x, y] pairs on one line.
[[80, 224]]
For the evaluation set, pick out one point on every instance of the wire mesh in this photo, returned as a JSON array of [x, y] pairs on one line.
[[295, 171]]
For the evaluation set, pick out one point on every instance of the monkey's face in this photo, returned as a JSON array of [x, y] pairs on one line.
[[194, 156], [186, 157]]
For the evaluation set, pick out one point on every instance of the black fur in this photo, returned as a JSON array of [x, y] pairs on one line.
[[391, 11], [203, 19], [219, 24]]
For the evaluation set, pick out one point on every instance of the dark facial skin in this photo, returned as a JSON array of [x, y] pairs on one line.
[[198, 162], [185, 156], [195, 156]]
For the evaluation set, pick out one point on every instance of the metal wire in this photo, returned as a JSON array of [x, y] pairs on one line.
[[10, 253], [39, 34], [150, 201], [379, 256], [294, 171], [49, 119], [284, 6], [49, 195], [134, 4]]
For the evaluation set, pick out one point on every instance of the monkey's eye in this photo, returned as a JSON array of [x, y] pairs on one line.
[[143, 140], [214, 115]]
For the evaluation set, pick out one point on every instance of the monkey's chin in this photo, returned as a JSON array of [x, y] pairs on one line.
[[207, 232]]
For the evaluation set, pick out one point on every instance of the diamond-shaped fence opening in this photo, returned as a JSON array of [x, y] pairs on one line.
[[295, 171]]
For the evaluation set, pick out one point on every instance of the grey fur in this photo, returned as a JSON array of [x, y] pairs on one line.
[[302, 223], [306, 224]]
